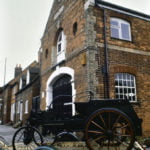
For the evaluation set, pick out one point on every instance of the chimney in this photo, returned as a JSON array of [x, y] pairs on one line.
[[18, 70]]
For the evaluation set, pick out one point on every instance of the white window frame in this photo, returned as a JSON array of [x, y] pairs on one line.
[[125, 82], [28, 77], [61, 47], [119, 28], [26, 106], [18, 107], [21, 110], [20, 84], [12, 112]]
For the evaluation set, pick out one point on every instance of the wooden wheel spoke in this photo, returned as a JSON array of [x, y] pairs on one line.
[[123, 143], [122, 126], [102, 120], [116, 121], [94, 131], [93, 122], [109, 128]]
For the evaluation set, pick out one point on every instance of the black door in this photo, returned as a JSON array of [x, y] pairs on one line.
[[62, 96]]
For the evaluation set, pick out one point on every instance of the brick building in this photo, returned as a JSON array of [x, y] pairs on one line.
[[29, 87], [17, 95], [95, 50], [5, 101]]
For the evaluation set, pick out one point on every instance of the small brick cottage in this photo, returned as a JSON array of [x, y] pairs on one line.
[[96, 50]]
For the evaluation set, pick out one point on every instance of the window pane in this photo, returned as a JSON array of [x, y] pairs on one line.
[[126, 88], [121, 90], [132, 78], [60, 37], [114, 29], [114, 33], [114, 23], [125, 31], [116, 83], [133, 90], [117, 90], [124, 83], [121, 96], [132, 83], [120, 82], [128, 77], [120, 76], [59, 47]]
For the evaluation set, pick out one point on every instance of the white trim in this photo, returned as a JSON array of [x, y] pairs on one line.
[[12, 111], [20, 85], [125, 49], [28, 77], [21, 111], [55, 75], [123, 12], [62, 42], [126, 86], [88, 3], [26, 106], [18, 107], [119, 28]]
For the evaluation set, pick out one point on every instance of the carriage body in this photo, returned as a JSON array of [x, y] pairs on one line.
[[106, 124], [51, 120]]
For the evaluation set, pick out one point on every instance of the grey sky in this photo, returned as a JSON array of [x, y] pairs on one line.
[[22, 24]]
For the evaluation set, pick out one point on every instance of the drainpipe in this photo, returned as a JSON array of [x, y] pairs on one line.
[[106, 65]]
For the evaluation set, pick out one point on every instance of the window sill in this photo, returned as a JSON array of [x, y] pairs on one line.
[[124, 40]]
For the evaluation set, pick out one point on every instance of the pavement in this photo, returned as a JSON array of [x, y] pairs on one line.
[[6, 135]]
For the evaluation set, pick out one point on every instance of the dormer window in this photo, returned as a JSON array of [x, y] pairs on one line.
[[23, 82], [61, 46], [120, 29]]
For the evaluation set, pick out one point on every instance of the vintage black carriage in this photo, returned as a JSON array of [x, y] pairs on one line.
[[107, 124]]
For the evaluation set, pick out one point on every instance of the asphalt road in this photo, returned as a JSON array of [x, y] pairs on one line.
[[6, 134]]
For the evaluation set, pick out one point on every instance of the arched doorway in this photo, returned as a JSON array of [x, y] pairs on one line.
[[54, 79], [62, 96]]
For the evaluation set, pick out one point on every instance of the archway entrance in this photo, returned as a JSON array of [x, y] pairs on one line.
[[62, 96]]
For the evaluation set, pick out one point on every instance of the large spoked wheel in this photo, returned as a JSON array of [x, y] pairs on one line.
[[27, 138], [109, 129]]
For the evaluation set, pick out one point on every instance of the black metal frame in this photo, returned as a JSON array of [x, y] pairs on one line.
[[53, 122]]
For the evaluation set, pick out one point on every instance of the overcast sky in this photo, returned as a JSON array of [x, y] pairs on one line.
[[22, 24]]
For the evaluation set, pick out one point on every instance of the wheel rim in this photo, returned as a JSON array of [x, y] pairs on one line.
[[26, 138], [109, 129]]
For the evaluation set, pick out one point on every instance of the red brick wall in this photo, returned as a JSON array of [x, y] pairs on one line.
[[88, 46], [129, 57]]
